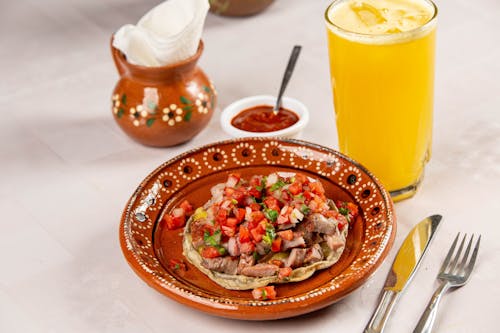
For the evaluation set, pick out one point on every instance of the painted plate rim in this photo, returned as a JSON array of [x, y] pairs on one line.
[[147, 266]]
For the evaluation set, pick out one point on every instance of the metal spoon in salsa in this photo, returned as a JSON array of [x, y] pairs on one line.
[[262, 118]]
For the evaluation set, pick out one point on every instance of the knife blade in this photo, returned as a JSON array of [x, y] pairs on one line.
[[405, 265]]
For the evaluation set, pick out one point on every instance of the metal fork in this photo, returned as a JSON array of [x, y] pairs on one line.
[[451, 275]]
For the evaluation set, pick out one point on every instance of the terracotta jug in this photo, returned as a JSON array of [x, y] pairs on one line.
[[162, 106], [238, 7]]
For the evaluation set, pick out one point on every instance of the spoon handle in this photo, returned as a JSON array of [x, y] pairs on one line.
[[288, 74]]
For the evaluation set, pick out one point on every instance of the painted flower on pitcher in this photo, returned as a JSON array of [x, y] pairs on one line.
[[135, 116], [172, 114], [149, 111], [118, 108], [201, 102], [144, 114]]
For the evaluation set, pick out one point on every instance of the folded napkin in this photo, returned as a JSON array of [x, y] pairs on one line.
[[168, 33]]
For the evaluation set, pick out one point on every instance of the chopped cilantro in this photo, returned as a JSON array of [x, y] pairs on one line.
[[256, 255], [262, 184], [264, 294], [344, 211], [305, 209], [270, 234], [212, 240], [271, 215], [221, 250], [276, 186]]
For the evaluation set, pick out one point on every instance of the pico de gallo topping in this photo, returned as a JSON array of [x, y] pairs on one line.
[[178, 216], [268, 226], [264, 293]]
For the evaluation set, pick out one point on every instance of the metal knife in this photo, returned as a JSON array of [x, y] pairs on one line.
[[403, 268]]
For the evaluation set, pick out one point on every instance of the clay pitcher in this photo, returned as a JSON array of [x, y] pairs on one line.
[[162, 106]]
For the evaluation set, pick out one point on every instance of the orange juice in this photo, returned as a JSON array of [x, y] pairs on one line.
[[382, 72]]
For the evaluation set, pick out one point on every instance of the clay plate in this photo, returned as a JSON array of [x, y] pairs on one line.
[[148, 246]]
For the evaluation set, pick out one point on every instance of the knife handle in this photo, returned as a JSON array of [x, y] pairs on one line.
[[382, 313]]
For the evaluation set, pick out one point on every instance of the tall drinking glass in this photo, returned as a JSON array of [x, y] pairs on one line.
[[382, 73]]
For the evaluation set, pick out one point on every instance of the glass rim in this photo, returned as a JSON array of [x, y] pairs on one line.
[[379, 37]]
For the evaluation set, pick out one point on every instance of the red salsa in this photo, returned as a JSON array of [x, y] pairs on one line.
[[261, 118]]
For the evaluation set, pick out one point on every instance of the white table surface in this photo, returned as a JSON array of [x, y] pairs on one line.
[[67, 170]]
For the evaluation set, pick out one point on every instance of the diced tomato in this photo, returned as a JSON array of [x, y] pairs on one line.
[[221, 216], [316, 204], [231, 221], [244, 234], [256, 234], [353, 209], [342, 221], [174, 222], [247, 247], [177, 265], [257, 216], [255, 181], [317, 188], [239, 195], [331, 213], [295, 188], [286, 234], [272, 203], [255, 193], [255, 207], [188, 208], [210, 252], [308, 195], [252, 224], [313, 205], [301, 178], [278, 263], [229, 191], [229, 231], [276, 245], [259, 230], [240, 214], [264, 293], [284, 272]]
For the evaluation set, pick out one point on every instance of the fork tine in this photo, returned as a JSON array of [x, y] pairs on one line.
[[457, 255], [450, 253], [472, 261], [466, 256]]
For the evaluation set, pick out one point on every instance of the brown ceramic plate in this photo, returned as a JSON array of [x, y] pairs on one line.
[[148, 246]]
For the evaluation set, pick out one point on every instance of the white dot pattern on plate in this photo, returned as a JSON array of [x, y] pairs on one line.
[[272, 154], [189, 169], [328, 165], [243, 154], [215, 158]]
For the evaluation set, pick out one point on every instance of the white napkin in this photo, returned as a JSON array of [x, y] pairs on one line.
[[168, 33]]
